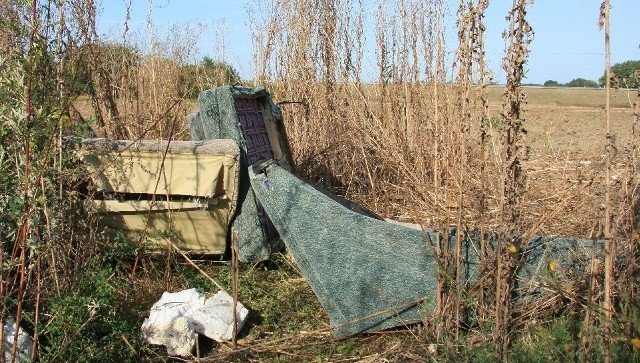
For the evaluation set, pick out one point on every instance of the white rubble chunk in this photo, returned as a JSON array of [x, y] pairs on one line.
[[23, 350], [169, 323], [175, 334], [181, 301], [215, 318], [175, 319]]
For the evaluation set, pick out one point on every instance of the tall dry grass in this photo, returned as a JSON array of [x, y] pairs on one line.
[[376, 110], [416, 141], [62, 278]]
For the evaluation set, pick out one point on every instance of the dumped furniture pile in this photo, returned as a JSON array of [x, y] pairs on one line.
[[237, 178]]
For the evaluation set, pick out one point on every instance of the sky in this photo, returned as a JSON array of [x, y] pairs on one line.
[[567, 42]]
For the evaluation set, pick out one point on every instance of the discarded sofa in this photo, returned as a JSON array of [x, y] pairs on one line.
[[238, 180], [249, 117], [196, 193], [182, 189], [371, 275]]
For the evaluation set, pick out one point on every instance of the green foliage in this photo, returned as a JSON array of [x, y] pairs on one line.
[[623, 74], [91, 320], [581, 82], [196, 78], [81, 274], [558, 340], [555, 342], [101, 65], [12, 119], [89, 325], [577, 82], [229, 73]]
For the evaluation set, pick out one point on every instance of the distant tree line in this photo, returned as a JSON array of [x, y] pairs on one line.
[[578, 82], [623, 75]]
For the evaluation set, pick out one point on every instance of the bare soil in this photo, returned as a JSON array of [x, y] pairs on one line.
[[570, 123], [573, 131]]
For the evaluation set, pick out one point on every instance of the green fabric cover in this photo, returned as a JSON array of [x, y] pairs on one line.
[[217, 119], [369, 274]]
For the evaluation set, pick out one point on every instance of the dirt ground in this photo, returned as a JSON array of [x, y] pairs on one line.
[[575, 132], [571, 123], [565, 167]]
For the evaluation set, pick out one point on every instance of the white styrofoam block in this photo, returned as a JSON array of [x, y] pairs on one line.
[[181, 301], [168, 323], [175, 334], [23, 350], [215, 318], [175, 319]]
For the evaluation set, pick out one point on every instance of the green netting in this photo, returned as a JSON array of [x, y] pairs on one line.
[[370, 275], [218, 119]]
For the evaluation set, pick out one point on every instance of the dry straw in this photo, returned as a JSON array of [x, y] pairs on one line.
[[377, 110], [417, 141]]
